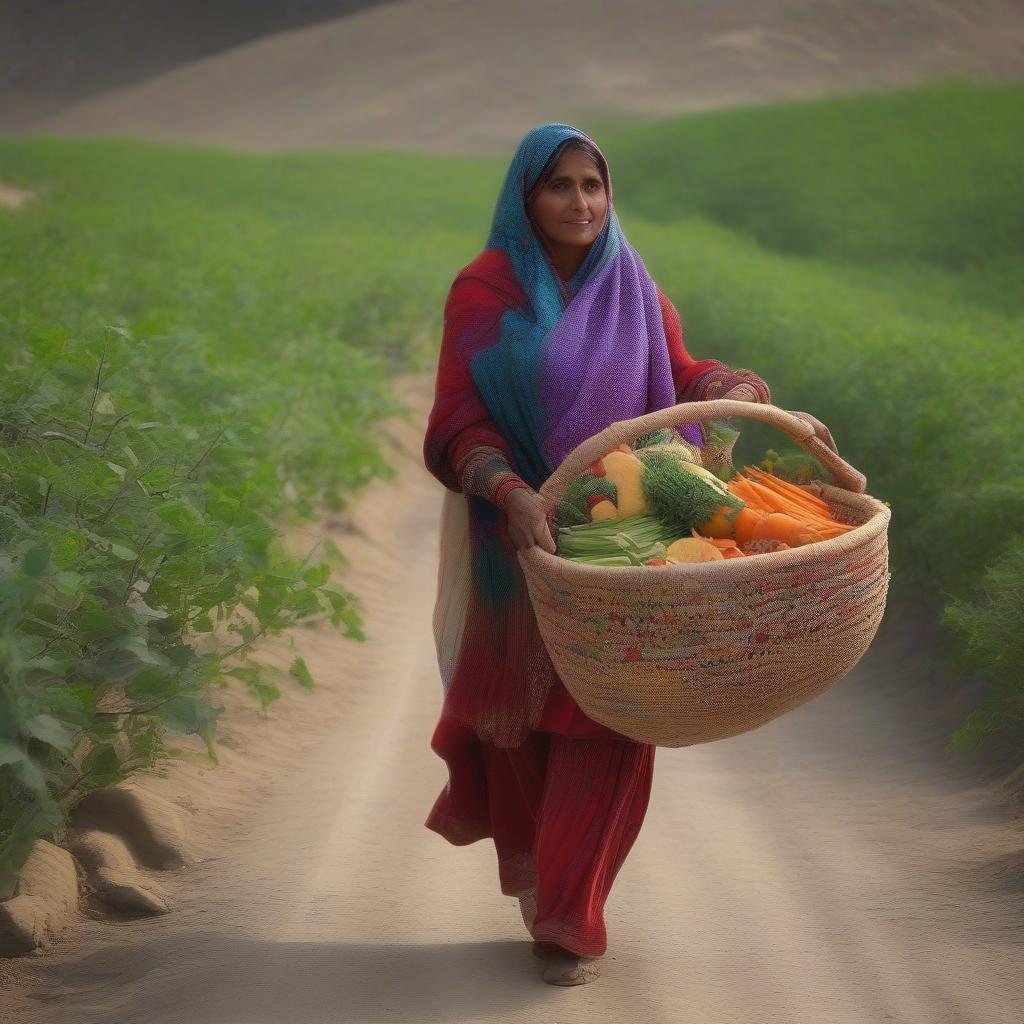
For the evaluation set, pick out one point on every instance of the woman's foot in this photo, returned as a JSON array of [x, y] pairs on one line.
[[563, 967]]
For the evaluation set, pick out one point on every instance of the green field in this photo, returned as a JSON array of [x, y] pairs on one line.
[[866, 255], [197, 344]]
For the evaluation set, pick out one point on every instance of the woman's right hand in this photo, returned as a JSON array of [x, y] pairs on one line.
[[527, 520]]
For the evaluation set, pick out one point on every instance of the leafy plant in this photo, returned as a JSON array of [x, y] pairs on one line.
[[133, 526]]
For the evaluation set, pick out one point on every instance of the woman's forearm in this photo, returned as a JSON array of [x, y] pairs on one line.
[[485, 471], [720, 379]]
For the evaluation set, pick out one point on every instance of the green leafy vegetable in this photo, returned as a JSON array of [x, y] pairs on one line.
[[679, 499], [574, 509], [631, 540]]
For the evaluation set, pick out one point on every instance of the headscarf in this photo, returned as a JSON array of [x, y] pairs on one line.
[[581, 354]]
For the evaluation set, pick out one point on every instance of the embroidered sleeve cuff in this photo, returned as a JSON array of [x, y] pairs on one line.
[[719, 380], [485, 471], [506, 488]]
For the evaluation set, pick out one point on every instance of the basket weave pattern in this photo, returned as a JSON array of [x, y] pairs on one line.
[[681, 654]]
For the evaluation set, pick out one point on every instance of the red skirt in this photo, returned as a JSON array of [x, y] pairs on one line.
[[563, 808]]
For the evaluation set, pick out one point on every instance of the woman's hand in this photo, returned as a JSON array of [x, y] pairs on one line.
[[742, 393], [527, 520], [746, 393], [821, 432]]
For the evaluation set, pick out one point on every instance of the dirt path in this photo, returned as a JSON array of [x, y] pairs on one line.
[[833, 867]]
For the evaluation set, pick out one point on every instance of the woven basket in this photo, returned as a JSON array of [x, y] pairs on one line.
[[681, 654]]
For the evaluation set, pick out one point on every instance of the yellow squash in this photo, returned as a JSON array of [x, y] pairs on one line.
[[626, 471]]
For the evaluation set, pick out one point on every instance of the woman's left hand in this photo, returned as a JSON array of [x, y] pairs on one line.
[[742, 393], [746, 393], [821, 432]]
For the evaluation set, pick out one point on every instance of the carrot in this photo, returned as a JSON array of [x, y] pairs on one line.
[[818, 515], [784, 486], [763, 502], [782, 503], [779, 503], [832, 527], [718, 524], [740, 486], [787, 489], [774, 502], [725, 524], [745, 522], [834, 531], [791, 491], [779, 526], [825, 526]]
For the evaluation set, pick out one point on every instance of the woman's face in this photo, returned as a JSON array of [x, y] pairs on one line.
[[570, 209]]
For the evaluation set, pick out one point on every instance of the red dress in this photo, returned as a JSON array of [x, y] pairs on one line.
[[563, 808], [563, 798]]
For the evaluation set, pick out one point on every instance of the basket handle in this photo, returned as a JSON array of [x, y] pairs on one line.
[[625, 431]]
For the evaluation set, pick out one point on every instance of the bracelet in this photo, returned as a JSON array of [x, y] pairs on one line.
[[506, 488]]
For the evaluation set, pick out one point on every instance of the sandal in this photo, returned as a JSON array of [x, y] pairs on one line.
[[567, 968]]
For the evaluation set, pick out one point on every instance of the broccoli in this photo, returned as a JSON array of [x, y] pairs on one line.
[[679, 498]]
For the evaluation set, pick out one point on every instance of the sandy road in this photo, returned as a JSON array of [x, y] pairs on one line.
[[833, 867]]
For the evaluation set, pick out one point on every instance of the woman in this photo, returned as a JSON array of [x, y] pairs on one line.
[[554, 331]]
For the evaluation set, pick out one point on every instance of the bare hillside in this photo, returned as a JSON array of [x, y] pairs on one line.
[[56, 52], [465, 76]]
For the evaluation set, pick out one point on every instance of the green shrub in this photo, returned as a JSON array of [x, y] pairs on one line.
[[197, 346]]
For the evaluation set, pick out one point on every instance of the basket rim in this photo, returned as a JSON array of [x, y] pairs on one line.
[[721, 570]]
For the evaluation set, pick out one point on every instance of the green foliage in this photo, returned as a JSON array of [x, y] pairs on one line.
[[133, 519], [929, 176], [661, 436], [679, 498], [302, 256], [720, 438], [574, 508], [196, 346], [631, 540], [796, 466], [989, 625], [914, 360]]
